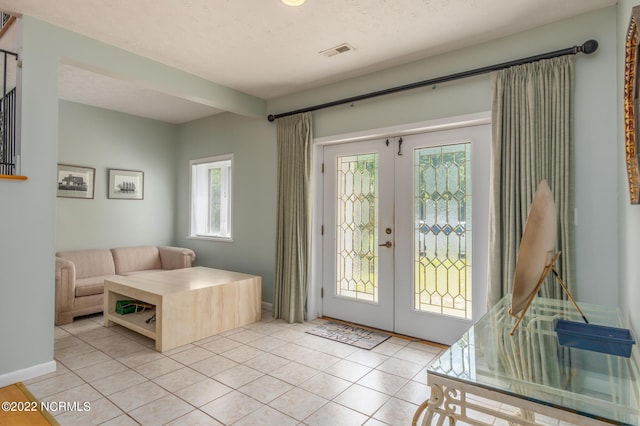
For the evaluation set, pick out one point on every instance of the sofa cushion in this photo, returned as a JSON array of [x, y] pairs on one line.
[[176, 257], [128, 274], [132, 259], [92, 285], [90, 263]]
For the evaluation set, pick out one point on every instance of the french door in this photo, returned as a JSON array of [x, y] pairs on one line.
[[405, 232], [358, 205]]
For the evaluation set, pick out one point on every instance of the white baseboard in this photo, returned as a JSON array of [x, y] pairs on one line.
[[27, 373], [266, 306]]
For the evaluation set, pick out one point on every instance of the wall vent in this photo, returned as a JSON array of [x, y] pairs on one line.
[[342, 48]]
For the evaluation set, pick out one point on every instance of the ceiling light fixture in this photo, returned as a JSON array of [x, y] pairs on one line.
[[293, 2]]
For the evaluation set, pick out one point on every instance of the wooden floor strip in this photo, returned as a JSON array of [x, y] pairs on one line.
[[20, 407]]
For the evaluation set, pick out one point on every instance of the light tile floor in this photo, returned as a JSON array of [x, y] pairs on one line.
[[267, 373]]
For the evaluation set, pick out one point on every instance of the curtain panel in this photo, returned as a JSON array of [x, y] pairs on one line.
[[293, 217], [532, 126]]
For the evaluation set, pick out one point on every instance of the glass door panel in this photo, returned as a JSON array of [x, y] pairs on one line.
[[358, 270], [442, 232], [441, 189], [357, 226]]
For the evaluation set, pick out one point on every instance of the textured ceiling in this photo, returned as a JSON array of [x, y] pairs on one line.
[[267, 49]]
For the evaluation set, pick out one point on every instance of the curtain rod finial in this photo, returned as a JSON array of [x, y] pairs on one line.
[[588, 47], [271, 118]]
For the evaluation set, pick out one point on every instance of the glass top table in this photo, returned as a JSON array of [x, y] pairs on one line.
[[530, 371]]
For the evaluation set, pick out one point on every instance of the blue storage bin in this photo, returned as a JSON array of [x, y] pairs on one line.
[[598, 338]]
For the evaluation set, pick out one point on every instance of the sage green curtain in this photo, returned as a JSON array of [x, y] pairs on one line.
[[292, 232], [532, 119]]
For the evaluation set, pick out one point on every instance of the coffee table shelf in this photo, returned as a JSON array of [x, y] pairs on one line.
[[136, 321]]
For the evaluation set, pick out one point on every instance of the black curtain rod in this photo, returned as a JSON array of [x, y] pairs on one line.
[[587, 47]]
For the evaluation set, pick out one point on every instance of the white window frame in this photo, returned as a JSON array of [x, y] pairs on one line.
[[200, 198]]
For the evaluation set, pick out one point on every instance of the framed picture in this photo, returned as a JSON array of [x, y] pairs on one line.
[[631, 106], [76, 181], [126, 184]]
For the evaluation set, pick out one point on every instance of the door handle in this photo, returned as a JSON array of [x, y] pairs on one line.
[[387, 244]]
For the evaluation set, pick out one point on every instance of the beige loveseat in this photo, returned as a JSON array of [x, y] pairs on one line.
[[80, 274]]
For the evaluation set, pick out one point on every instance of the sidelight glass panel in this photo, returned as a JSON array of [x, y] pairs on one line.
[[442, 230], [357, 227]]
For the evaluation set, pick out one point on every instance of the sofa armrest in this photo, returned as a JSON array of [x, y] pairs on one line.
[[65, 284], [176, 257]]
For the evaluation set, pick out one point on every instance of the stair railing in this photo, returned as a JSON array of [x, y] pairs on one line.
[[8, 133], [8, 150]]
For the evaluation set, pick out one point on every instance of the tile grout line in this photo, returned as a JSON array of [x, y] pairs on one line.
[[351, 382]]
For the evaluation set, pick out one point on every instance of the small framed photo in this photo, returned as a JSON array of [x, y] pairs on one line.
[[126, 184], [76, 181]]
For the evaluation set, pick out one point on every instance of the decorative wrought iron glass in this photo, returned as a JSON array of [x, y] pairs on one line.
[[357, 227], [442, 230]]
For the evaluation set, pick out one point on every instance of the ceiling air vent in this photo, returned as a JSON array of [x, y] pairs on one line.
[[342, 48]]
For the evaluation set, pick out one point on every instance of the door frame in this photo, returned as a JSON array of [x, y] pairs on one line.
[[314, 299]]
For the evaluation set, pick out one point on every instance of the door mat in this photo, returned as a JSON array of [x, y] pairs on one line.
[[351, 335]]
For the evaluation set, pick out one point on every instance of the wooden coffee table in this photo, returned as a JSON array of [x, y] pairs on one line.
[[190, 303]]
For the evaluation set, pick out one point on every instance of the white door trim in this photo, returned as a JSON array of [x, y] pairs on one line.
[[314, 302], [454, 122]]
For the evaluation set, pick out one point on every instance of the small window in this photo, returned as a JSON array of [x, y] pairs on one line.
[[211, 197]]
